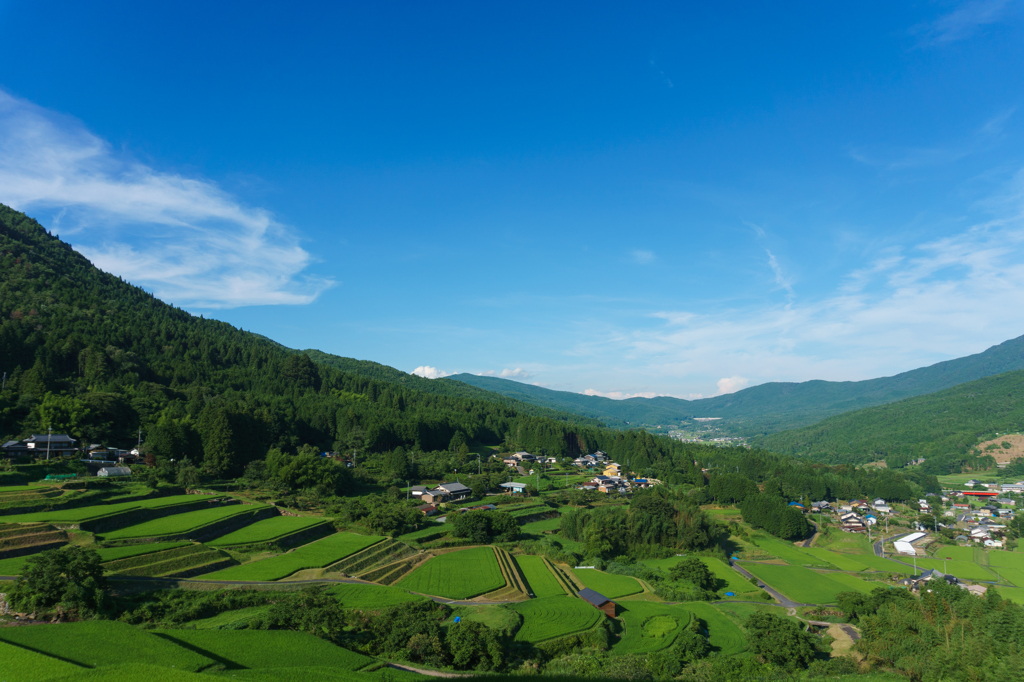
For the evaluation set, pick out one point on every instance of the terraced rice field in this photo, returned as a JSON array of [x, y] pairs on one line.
[[853, 583], [609, 584], [81, 514], [961, 569], [724, 636], [268, 530], [1014, 594], [14, 565], [230, 620], [94, 643], [553, 617], [28, 666], [798, 583], [877, 563], [844, 562], [261, 649], [131, 672], [115, 553], [457, 575], [955, 553], [314, 555], [1008, 559], [1014, 576], [182, 523], [538, 576], [788, 552], [649, 626], [354, 596], [728, 579], [542, 526]]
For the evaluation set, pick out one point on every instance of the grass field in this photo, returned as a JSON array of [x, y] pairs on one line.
[[28, 666], [267, 530], [229, 620], [13, 565], [877, 563], [181, 523], [609, 584], [649, 626], [115, 553], [799, 583], [1008, 559], [1011, 575], [726, 638], [538, 576], [314, 555], [552, 617], [424, 532], [541, 526], [94, 643], [237, 649], [1014, 594], [81, 514], [457, 575], [371, 596], [853, 583]]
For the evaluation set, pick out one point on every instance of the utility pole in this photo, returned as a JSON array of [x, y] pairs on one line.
[[407, 490], [479, 464], [49, 437], [139, 446], [4, 385]]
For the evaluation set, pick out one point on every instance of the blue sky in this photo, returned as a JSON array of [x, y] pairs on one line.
[[678, 199]]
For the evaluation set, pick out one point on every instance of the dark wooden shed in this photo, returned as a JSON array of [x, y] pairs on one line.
[[599, 601]]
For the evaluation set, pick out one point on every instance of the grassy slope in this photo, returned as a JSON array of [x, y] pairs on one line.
[[950, 421]]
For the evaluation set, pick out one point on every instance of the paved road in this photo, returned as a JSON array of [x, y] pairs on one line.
[[782, 599]]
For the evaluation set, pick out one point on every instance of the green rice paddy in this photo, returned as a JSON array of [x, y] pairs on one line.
[[115, 553], [1008, 559], [800, 584], [553, 617], [236, 649], [539, 577], [609, 584], [649, 626], [182, 523], [268, 530], [354, 596], [314, 555], [844, 562], [95, 643], [82, 514], [457, 575], [23, 665], [723, 635]]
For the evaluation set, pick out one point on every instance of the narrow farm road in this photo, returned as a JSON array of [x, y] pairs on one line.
[[429, 673]]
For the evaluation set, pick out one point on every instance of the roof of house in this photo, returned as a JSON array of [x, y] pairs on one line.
[[595, 598], [454, 487], [52, 438], [419, 487], [517, 486]]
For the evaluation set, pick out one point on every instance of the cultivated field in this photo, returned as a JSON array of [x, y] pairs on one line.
[[728, 579], [799, 583], [371, 596], [649, 626], [115, 553], [538, 576], [956, 553], [723, 635], [457, 575], [1007, 559], [553, 617], [268, 530], [95, 643], [844, 562], [81, 514], [237, 649], [609, 584], [961, 569], [314, 555], [788, 552], [28, 666], [182, 523]]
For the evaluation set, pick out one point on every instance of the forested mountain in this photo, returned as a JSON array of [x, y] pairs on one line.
[[769, 407], [943, 427], [91, 355]]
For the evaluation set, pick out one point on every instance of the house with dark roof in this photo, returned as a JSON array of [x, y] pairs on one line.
[[598, 601], [455, 491], [56, 443], [14, 448]]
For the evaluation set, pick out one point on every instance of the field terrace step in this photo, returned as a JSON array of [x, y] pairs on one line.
[[170, 562], [31, 539], [134, 516], [402, 569], [569, 585], [15, 529], [384, 552], [510, 571], [208, 532]]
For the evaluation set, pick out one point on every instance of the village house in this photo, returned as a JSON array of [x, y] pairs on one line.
[[598, 601]]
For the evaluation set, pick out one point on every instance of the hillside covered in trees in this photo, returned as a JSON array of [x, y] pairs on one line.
[[769, 407], [942, 427]]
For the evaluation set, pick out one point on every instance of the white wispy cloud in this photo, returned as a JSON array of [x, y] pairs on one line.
[[184, 237], [428, 372], [963, 22], [780, 276], [732, 384], [642, 257]]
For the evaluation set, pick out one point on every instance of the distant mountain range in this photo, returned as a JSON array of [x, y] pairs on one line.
[[771, 407]]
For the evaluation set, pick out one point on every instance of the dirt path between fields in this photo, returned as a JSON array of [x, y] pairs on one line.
[[429, 673]]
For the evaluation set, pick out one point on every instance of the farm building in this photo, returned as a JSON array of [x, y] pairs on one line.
[[598, 601], [114, 471], [905, 544]]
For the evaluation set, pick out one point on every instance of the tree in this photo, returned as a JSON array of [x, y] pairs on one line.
[[778, 641], [475, 646], [188, 475], [694, 571], [479, 486], [70, 578], [313, 610]]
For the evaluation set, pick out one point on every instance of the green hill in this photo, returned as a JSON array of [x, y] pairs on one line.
[[98, 358], [769, 407], [941, 427]]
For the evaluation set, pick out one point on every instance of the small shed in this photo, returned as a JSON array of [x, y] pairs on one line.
[[514, 487], [114, 471], [598, 601]]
